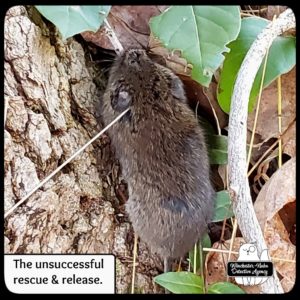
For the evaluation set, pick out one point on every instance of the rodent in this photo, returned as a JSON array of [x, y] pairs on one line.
[[162, 151]]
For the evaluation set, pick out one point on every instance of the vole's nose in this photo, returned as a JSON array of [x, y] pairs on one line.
[[134, 56]]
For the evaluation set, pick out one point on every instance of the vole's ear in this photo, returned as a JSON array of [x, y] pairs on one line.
[[175, 84], [121, 100], [177, 88]]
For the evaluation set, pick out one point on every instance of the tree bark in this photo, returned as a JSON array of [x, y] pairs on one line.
[[51, 110]]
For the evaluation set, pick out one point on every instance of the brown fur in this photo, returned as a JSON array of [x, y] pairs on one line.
[[162, 151]]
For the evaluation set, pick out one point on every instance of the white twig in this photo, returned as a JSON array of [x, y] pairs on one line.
[[113, 38], [65, 163], [238, 180]]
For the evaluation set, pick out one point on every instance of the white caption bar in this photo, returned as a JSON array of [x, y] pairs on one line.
[[60, 274]]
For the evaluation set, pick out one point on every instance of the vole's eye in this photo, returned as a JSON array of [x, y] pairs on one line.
[[121, 101]]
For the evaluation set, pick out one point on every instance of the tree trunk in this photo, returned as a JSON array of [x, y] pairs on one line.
[[51, 105]]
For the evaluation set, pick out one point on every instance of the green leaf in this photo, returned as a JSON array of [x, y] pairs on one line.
[[181, 282], [200, 32], [74, 19], [204, 243], [217, 157], [217, 149], [224, 288], [281, 59], [223, 209]]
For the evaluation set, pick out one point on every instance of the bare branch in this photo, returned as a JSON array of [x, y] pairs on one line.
[[238, 181]]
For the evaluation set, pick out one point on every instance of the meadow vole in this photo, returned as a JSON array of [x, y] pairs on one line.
[[163, 154]]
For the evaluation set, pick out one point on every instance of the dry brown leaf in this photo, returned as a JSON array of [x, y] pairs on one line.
[[280, 246], [278, 191], [288, 216], [216, 264], [130, 24], [289, 140], [287, 284], [271, 211], [267, 124]]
